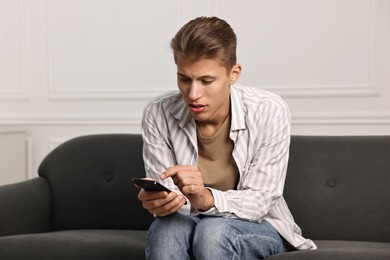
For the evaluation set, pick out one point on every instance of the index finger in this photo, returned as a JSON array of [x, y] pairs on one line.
[[172, 171]]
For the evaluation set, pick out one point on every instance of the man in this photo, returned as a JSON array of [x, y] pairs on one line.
[[221, 147]]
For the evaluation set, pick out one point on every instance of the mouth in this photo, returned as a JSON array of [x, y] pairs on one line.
[[195, 108]]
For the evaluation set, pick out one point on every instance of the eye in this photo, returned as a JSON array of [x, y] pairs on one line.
[[183, 79], [207, 82]]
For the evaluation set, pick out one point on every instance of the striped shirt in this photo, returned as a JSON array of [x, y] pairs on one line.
[[260, 130]]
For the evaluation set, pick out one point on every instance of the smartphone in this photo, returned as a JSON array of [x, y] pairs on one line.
[[150, 185]]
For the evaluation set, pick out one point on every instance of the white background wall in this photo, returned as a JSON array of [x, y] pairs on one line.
[[75, 67]]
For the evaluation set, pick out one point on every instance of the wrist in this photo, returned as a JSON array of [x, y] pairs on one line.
[[209, 201]]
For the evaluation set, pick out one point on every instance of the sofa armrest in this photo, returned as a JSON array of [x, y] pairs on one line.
[[25, 207]]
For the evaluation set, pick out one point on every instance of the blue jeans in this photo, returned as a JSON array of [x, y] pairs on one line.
[[191, 237]]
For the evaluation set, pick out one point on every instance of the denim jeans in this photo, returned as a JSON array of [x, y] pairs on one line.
[[191, 237]]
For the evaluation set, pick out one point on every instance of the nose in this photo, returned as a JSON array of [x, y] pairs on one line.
[[195, 91]]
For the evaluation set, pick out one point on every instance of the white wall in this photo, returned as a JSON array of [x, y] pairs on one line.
[[76, 67], [13, 156]]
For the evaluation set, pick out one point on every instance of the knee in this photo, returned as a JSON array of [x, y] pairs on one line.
[[212, 236], [211, 229], [169, 237], [171, 226]]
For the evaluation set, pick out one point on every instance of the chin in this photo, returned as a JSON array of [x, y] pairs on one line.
[[199, 118]]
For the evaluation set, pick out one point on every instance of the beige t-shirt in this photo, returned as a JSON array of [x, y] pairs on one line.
[[216, 163]]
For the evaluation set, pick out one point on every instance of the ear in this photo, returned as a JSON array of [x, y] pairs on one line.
[[235, 73]]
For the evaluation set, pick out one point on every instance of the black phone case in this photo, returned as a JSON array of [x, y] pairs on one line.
[[150, 185]]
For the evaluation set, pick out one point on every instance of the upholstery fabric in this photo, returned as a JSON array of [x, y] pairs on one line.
[[345, 250], [75, 245], [90, 179], [25, 207], [83, 205], [337, 187]]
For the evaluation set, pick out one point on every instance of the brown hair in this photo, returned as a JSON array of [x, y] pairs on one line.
[[206, 38]]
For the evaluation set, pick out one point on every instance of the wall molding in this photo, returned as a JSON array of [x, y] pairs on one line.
[[57, 93], [30, 168], [23, 54], [323, 91], [298, 118], [286, 91], [106, 94], [69, 120], [338, 118], [13, 96]]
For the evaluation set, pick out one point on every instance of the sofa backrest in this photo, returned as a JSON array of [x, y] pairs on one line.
[[338, 187], [89, 177]]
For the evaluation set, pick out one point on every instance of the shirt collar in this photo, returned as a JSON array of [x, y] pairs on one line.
[[237, 109], [181, 112]]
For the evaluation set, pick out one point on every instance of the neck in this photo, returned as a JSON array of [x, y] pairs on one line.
[[208, 129]]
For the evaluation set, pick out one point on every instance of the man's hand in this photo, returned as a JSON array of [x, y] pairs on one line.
[[190, 182], [161, 203]]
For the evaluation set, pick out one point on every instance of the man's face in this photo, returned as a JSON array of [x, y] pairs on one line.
[[204, 85]]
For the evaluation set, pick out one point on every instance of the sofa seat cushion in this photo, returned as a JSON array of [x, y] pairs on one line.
[[75, 244], [329, 249]]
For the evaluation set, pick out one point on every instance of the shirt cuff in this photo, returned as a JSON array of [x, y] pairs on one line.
[[220, 204]]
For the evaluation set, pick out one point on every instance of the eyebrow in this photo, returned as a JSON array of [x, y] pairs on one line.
[[202, 77]]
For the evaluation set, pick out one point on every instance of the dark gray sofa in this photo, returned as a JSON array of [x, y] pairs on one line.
[[83, 206]]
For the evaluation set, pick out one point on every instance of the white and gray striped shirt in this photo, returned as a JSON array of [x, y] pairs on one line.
[[260, 130]]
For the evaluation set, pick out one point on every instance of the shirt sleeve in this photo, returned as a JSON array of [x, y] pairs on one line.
[[157, 151], [262, 180]]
